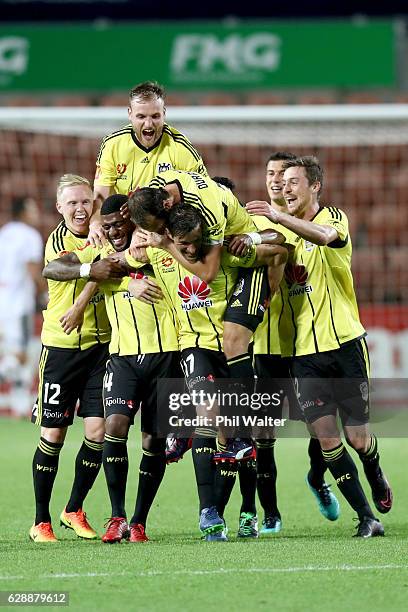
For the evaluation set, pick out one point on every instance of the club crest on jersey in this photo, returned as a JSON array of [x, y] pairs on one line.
[[167, 265], [121, 168], [194, 292], [163, 167], [296, 277]]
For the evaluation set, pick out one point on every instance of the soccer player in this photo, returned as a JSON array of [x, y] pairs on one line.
[[21, 255], [143, 350], [71, 368], [321, 331], [273, 370], [200, 308], [131, 156]]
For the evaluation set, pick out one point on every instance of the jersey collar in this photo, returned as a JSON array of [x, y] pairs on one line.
[[73, 233], [318, 213], [140, 146]]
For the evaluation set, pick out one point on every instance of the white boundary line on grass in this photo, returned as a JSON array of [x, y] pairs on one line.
[[251, 570]]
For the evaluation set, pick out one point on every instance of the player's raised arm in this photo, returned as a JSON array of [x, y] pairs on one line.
[[321, 235]]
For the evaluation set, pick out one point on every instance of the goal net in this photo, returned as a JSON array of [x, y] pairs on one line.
[[363, 149]]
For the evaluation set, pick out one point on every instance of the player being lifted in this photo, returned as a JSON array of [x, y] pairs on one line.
[[131, 156], [321, 331], [224, 217], [143, 349], [200, 329], [71, 368]]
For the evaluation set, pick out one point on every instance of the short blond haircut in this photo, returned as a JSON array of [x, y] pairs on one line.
[[71, 180]]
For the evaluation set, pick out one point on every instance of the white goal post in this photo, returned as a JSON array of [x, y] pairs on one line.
[[312, 125]]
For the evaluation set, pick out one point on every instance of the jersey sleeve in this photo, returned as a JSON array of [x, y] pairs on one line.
[[134, 263], [190, 160], [337, 219], [105, 174]]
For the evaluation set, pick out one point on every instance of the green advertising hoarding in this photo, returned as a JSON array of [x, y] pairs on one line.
[[199, 56]]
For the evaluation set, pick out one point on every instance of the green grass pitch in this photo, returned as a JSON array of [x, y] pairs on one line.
[[311, 565]]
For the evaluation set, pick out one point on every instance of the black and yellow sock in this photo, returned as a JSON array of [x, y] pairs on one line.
[[344, 470], [45, 467], [203, 449], [242, 382], [371, 460], [318, 465], [247, 485], [87, 465], [266, 476], [225, 476], [151, 472], [115, 465]]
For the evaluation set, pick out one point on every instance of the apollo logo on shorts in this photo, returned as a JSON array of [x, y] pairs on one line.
[[296, 278], [194, 292]]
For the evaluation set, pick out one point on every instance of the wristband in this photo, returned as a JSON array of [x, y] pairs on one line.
[[85, 270], [255, 237]]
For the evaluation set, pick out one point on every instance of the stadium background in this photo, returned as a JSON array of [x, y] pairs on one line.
[[43, 50]]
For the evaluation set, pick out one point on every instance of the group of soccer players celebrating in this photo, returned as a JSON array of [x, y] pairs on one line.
[[160, 273]]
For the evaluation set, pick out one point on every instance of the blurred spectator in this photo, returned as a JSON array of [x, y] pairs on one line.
[[21, 256]]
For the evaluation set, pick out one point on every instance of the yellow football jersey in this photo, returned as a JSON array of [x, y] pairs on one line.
[[62, 294], [198, 306], [221, 210], [266, 337], [319, 307], [137, 328], [125, 164]]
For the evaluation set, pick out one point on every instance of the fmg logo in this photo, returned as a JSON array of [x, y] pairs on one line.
[[232, 57]]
